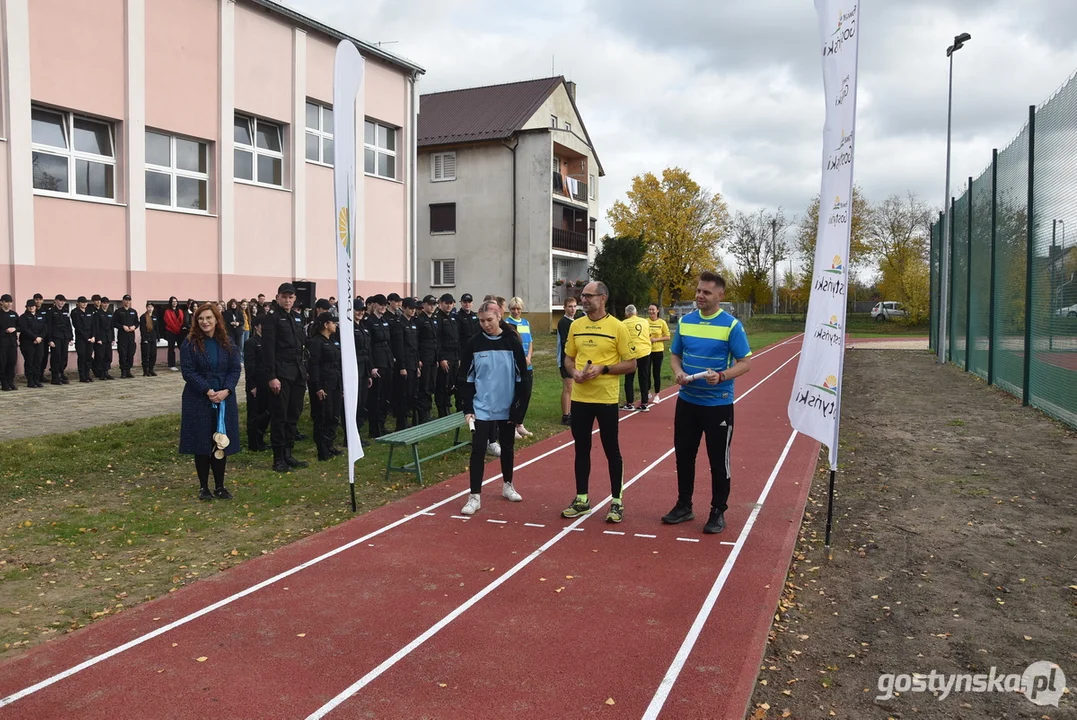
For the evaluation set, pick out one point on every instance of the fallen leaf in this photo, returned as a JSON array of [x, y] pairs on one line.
[[609, 701], [568, 577], [443, 685], [203, 659], [1028, 637], [235, 552], [559, 589], [175, 644], [301, 635]]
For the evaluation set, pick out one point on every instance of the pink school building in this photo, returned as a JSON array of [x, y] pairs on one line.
[[185, 147]]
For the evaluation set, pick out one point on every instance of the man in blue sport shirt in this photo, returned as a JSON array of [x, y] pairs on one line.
[[712, 342]]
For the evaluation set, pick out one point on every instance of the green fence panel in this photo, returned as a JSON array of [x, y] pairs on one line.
[[936, 241], [980, 256], [960, 279]]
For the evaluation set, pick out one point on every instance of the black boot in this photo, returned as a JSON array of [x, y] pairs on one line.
[[323, 452], [291, 461], [279, 464], [56, 380]]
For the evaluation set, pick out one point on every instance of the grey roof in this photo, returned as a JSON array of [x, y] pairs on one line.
[[364, 47], [493, 112]]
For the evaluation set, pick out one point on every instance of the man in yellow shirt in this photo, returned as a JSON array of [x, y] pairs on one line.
[[598, 349], [659, 337], [639, 334]]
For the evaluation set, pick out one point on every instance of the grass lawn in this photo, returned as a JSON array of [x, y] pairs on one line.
[[97, 521], [857, 325]]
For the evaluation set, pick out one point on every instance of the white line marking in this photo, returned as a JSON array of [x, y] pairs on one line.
[[533, 525], [503, 522], [646, 536], [437, 627], [681, 658], [688, 539], [723, 542], [314, 561], [459, 517], [611, 532], [576, 529], [428, 514]]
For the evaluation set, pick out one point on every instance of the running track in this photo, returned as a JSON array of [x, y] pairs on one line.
[[411, 611]]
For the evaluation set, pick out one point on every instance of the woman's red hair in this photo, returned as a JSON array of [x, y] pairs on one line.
[[196, 336]]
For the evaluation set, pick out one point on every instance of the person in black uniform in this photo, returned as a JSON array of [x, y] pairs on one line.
[[125, 322], [93, 308], [466, 320], [282, 348], [326, 384], [104, 335], [448, 354], [149, 332], [381, 355], [83, 321], [256, 383], [363, 364], [32, 344], [406, 369], [9, 343], [60, 336], [42, 315], [429, 336]]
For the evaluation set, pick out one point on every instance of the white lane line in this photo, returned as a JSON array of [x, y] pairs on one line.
[[533, 525], [688, 539], [723, 542], [298, 568], [459, 517], [685, 650], [428, 514], [437, 627], [502, 522], [611, 532], [652, 537]]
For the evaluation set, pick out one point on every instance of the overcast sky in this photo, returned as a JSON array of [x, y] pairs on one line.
[[732, 90]]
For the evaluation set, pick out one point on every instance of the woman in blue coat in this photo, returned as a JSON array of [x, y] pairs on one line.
[[211, 369]]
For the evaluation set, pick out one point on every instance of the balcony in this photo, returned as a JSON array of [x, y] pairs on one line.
[[569, 187], [569, 240], [563, 292]]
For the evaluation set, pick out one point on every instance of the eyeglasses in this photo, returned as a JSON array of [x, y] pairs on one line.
[[590, 295]]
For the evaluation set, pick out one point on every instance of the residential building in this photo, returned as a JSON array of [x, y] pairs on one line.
[[185, 147], [507, 183]]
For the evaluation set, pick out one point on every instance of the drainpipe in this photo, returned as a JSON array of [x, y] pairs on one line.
[[512, 148], [413, 199]]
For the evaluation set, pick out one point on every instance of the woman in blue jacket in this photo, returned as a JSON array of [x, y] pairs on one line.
[[211, 368]]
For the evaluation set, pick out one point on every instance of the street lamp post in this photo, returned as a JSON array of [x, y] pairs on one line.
[[944, 258]]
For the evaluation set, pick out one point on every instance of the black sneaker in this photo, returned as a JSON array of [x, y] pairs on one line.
[[222, 493], [644, 407], [679, 513], [716, 523], [205, 494]]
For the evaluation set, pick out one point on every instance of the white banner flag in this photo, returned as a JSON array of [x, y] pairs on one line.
[[348, 71], [815, 405]]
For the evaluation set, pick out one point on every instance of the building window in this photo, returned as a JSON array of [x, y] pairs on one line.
[[568, 126], [177, 172], [379, 150], [553, 121], [443, 166], [556, 164], [442, 218], [443, 273], [319, 134], [66, 145], [259, 155], [591, 186]]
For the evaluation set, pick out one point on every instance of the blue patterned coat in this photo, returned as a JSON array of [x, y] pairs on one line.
[[198, 419]]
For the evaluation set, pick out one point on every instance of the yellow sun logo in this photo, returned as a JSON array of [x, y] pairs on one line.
[[830, 382], [342, 226], [833, 319]]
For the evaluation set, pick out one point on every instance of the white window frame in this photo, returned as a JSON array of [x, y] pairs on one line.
[[322, 133], [73, 156], [378, 150], [439, 161], [174, 171], [591, 186], [568, 126], [435, 280], [553, 121], [256, 152]]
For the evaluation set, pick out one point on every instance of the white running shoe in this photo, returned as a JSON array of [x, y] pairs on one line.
[[509, 493], [474, 502], [519, 434], [524, 431], [494, 449]]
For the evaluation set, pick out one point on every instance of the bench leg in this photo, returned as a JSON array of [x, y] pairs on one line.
[[389, 463], [418, 467]]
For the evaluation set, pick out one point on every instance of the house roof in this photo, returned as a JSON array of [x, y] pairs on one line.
[[364, 47]]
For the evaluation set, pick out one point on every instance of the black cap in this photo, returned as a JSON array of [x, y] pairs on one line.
[[322, 304], [378, 299], [430, 299], [447, 297], [38, 296], [393, 297], [105, 299], [466, 297], [126, 297], [411, 303], [286, 288], [256, 321], [360, 303], [82, 299], [323, 318], [5, 298], [31, 303], [95, 297], [61, 298]]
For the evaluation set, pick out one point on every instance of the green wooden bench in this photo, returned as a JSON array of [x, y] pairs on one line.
[[414, 435]]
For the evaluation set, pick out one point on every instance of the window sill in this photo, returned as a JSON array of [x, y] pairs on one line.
[[452, 179], [181, 211], [444, 232], [252, 183], [78, 198], [319, 163], [442, 286], [382, 177]]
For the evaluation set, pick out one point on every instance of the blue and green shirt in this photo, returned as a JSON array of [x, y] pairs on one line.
[[709, 343], [523, 328]]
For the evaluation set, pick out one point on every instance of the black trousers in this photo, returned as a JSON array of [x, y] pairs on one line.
[[325, 415], [31, 361], [376, 402], [424, 395], [690, 423], [405, 391], [360, 406], [488, 431], [102, 358], [203, 464], [58, 358], [45, 355], [149, 355], [173, 341], [656, 370], [583, 421], [257, 417], [446, 387], [643, 372], [125, 348], [285, 408], [84, 355], [9, 354]]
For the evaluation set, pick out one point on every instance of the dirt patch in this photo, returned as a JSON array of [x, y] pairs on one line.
[[954, 550]]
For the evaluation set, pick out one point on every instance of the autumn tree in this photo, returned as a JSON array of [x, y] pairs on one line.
[[899, 240], [758, 241], [807, 231], [682, 225], [617, 265]]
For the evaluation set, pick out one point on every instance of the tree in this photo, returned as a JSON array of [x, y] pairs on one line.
[[899, 239], [807, 232], [758, 242], [681, 224], [617, 265]]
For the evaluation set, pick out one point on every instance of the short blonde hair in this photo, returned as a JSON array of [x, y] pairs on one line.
[[516, 302]]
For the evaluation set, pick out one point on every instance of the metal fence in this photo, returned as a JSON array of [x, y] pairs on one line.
[[1012, 287]]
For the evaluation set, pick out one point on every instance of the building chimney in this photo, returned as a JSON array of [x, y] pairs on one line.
[[571, 88]]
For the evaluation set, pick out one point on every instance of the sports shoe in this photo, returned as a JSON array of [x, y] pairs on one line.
[[644, 408], [524, 431], [474, 502], [494, 449], [716, 522], [628, 406], [616, 513], [222, 493], [205, 494], [576, 509], [509, 493], [679, 513], [174, 369], [519, 434]]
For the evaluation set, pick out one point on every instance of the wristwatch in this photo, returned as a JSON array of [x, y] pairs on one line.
[[605, 369]]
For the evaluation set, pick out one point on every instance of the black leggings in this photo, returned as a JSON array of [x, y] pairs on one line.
[[487, 431], [583, 420], [643, 371], [203, 463], [656, 370], [690, 422]]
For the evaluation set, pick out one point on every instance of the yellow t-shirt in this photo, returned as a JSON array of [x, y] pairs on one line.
[[639, 335], [603, 342], [658, 329]]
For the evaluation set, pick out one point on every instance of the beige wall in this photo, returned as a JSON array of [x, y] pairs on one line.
[[181, 67]]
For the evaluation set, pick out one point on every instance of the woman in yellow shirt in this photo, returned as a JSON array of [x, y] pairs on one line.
[[659, 337]]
